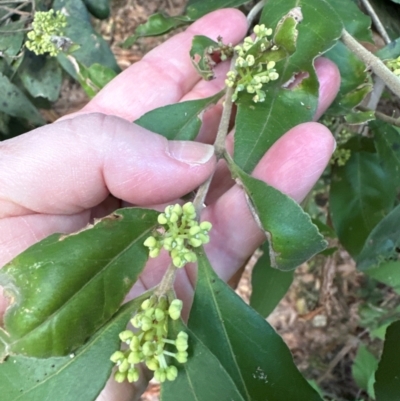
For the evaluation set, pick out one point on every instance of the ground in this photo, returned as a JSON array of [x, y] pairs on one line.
[[319, 317]]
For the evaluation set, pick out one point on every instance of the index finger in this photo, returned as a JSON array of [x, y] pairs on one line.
[[166, 73]]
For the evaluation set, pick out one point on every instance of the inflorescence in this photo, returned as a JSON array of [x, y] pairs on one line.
[[47, 29], [181, 233], [148, 343], [252, 70], [394, 65]]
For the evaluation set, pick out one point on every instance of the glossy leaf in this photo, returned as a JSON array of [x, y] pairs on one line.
[[391, 50], [360, 117], [292, 237], [269, 285], [382, 242], [360, 197], [157, 24], [259, 125], [65, 287], [387, 142], [11, 38], [79, 376], [201, 57], [93, 48], [41, 76], [202, 377], [248, 348], [98, 8], [387, 273], [355, 82], [94, 78], [198, 8], [387, 385], [353, 19], [180, 121], [16, 104], [363, 370]]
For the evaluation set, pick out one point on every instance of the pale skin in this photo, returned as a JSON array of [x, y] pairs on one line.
[[58, 177]]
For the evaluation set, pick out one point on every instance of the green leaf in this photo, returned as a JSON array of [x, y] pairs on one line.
[[387, 142], [389, 15], [382, 244], [248, 348], [269, 285], [363, 369], [98, 8], [360, 197], [391, 50], [355, 82], [11, 38], [387, 273], [16, 104], [157, 24], [94, 78], [41, 76], [198, 8], [66, 287], [360, 117], [353, 19], [178, 121], [387, 385], [202, 377], [292, 237], [201, 58], [79, 376], [259, 125], [93, 48], [286, 32]]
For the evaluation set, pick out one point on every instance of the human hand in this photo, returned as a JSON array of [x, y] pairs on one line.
[[57, 178]]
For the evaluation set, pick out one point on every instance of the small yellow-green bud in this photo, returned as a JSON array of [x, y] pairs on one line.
[[181, 341], [162, 219], [126, 336], [134, 345], [159, 315], [150, 242], [135, 357], [172, 373], [133, 375], [124, 366], [154, 252], [120, 377], [152, 364], [181, 356], [147, 323], [175, 308], [117, 356], [149, 348], [160, 375]]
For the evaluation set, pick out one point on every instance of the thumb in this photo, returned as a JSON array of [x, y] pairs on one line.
[[74, 164]]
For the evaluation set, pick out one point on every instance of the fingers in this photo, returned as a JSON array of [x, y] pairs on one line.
[[292, 165], [166, 73]]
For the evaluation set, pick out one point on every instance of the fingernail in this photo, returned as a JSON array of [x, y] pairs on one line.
[[190, 152]]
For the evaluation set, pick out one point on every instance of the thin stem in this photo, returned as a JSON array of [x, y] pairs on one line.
[[377, 22], [383, 117], [15, 11], [167, 281], [377, 66], [254, 11]]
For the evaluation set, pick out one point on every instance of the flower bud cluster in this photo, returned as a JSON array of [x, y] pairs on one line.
[[394, 65], [182, 233], [48, 27], [252, 70], [148, 343], [340, 156]]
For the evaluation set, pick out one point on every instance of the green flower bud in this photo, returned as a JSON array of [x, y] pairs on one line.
[[181, 356], [175, 308], [126, 336], [152, 364], [133, 375], [149, 313], [159, 314], [181, 342], [135, 357], [195, 242], [171, 373], [134, 344], [120, 377], [124, 366], [136, 321], [149, 348], [147, 323], [188, 208], [190, 257], [117, 356], [162, 219], [150, 242], [160, 375], [154, 252]]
